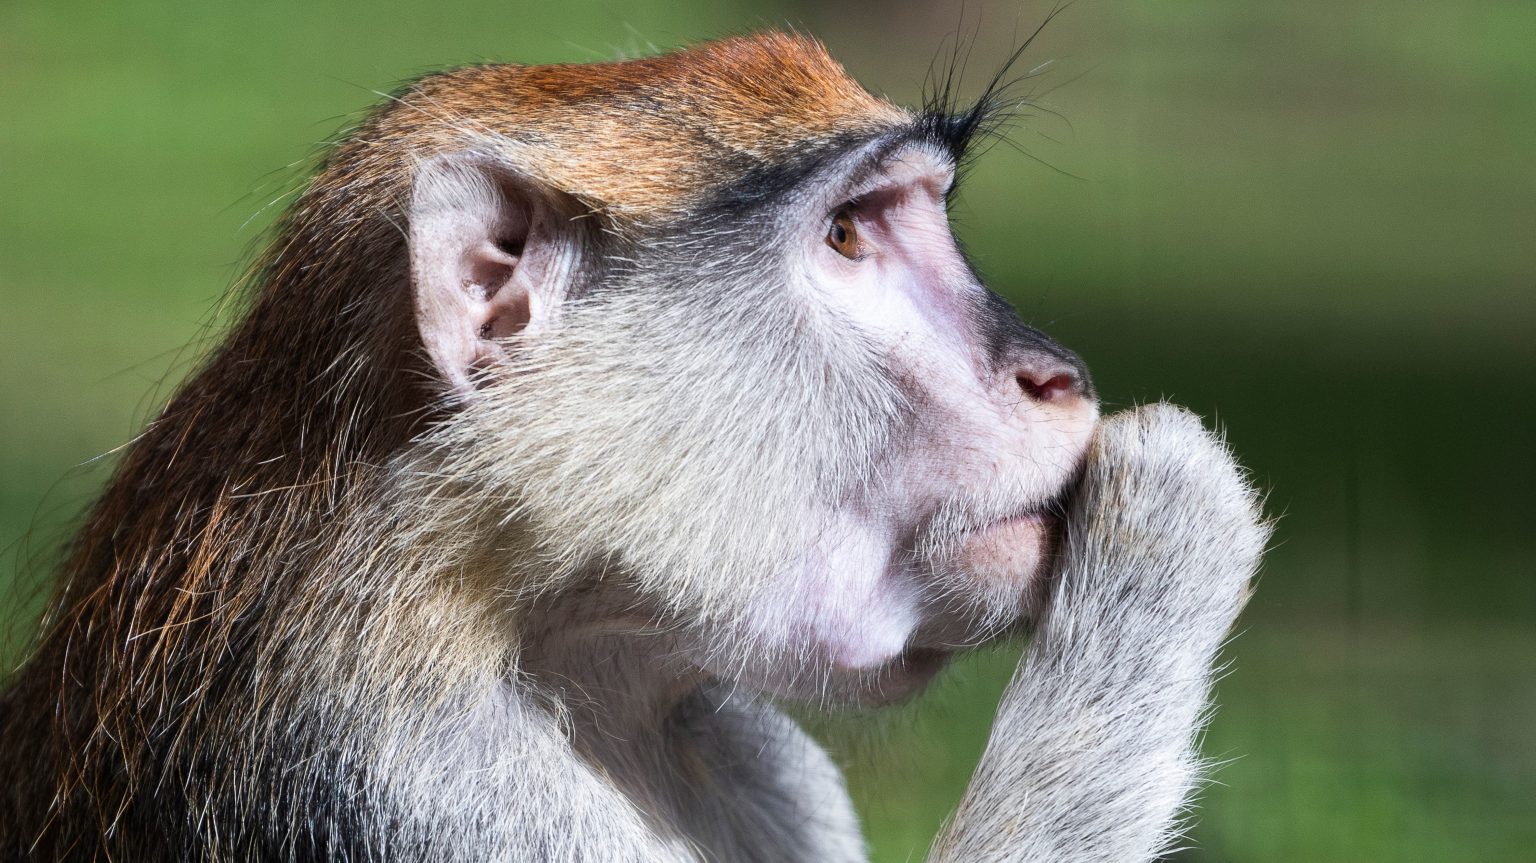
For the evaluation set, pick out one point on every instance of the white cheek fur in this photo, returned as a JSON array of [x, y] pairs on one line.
[[841, 604], [856, 609]]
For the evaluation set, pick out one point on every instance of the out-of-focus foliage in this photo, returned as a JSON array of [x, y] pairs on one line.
[[1315, 222]]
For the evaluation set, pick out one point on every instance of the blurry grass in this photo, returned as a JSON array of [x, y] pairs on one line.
[[1311, 221], [1390, 743], [1396, 742]]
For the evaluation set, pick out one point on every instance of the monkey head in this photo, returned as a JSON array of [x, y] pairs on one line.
[[706, 345]]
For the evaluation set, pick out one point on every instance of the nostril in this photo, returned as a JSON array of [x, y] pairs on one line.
[[1049, 386]]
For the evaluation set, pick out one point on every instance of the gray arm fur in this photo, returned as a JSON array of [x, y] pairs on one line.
[[1093, 752]]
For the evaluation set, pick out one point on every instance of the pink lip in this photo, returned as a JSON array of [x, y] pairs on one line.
[[1031, 518]]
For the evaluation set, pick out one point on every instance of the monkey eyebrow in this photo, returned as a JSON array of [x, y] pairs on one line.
[[882, 152]]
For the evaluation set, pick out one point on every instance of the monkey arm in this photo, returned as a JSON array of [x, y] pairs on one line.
[[1092, 755]]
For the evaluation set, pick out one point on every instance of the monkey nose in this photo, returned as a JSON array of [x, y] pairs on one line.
[[1052, 381]]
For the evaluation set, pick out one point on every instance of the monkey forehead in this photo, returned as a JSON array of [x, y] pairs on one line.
[[650, 138]]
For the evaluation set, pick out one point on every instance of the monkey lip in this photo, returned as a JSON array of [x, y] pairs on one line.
[[1035, 518], [1044, 519]]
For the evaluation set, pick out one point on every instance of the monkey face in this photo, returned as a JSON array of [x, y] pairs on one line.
[[825, 452], [783, 418], [938, 535]]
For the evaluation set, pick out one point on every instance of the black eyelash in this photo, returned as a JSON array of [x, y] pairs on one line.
[[956, 126]]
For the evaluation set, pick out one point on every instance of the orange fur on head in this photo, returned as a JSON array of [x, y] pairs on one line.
[[643, 139]]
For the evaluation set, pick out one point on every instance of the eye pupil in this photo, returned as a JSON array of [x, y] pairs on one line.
[[843, 236]]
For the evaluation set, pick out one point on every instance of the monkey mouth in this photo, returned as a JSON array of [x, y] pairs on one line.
[[1044, 519], [1050, 513], [1040, 517], [1047, 514]]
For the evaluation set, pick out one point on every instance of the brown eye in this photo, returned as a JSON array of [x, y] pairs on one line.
[[843, 236]]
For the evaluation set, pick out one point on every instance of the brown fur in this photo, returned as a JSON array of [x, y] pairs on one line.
[[647, 138]]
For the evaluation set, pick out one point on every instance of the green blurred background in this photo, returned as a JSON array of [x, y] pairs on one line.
[[1313, 221]]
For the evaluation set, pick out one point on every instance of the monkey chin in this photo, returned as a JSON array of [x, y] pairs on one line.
[[1004, 560], [1003, 566]]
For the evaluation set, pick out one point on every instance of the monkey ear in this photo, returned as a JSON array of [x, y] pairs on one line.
[[489, 258]]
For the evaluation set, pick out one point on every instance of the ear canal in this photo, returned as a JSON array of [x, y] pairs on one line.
[[481, 244], [506, 309]]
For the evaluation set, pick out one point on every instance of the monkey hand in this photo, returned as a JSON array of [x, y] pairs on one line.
[[1092, 754], [1161, 542]]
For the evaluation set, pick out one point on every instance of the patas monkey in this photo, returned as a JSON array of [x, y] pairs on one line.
[[578, 413]]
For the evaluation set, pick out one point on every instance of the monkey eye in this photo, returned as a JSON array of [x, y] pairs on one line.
[[843, 235]]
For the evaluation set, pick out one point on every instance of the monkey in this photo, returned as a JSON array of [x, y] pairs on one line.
[[577, 419]]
